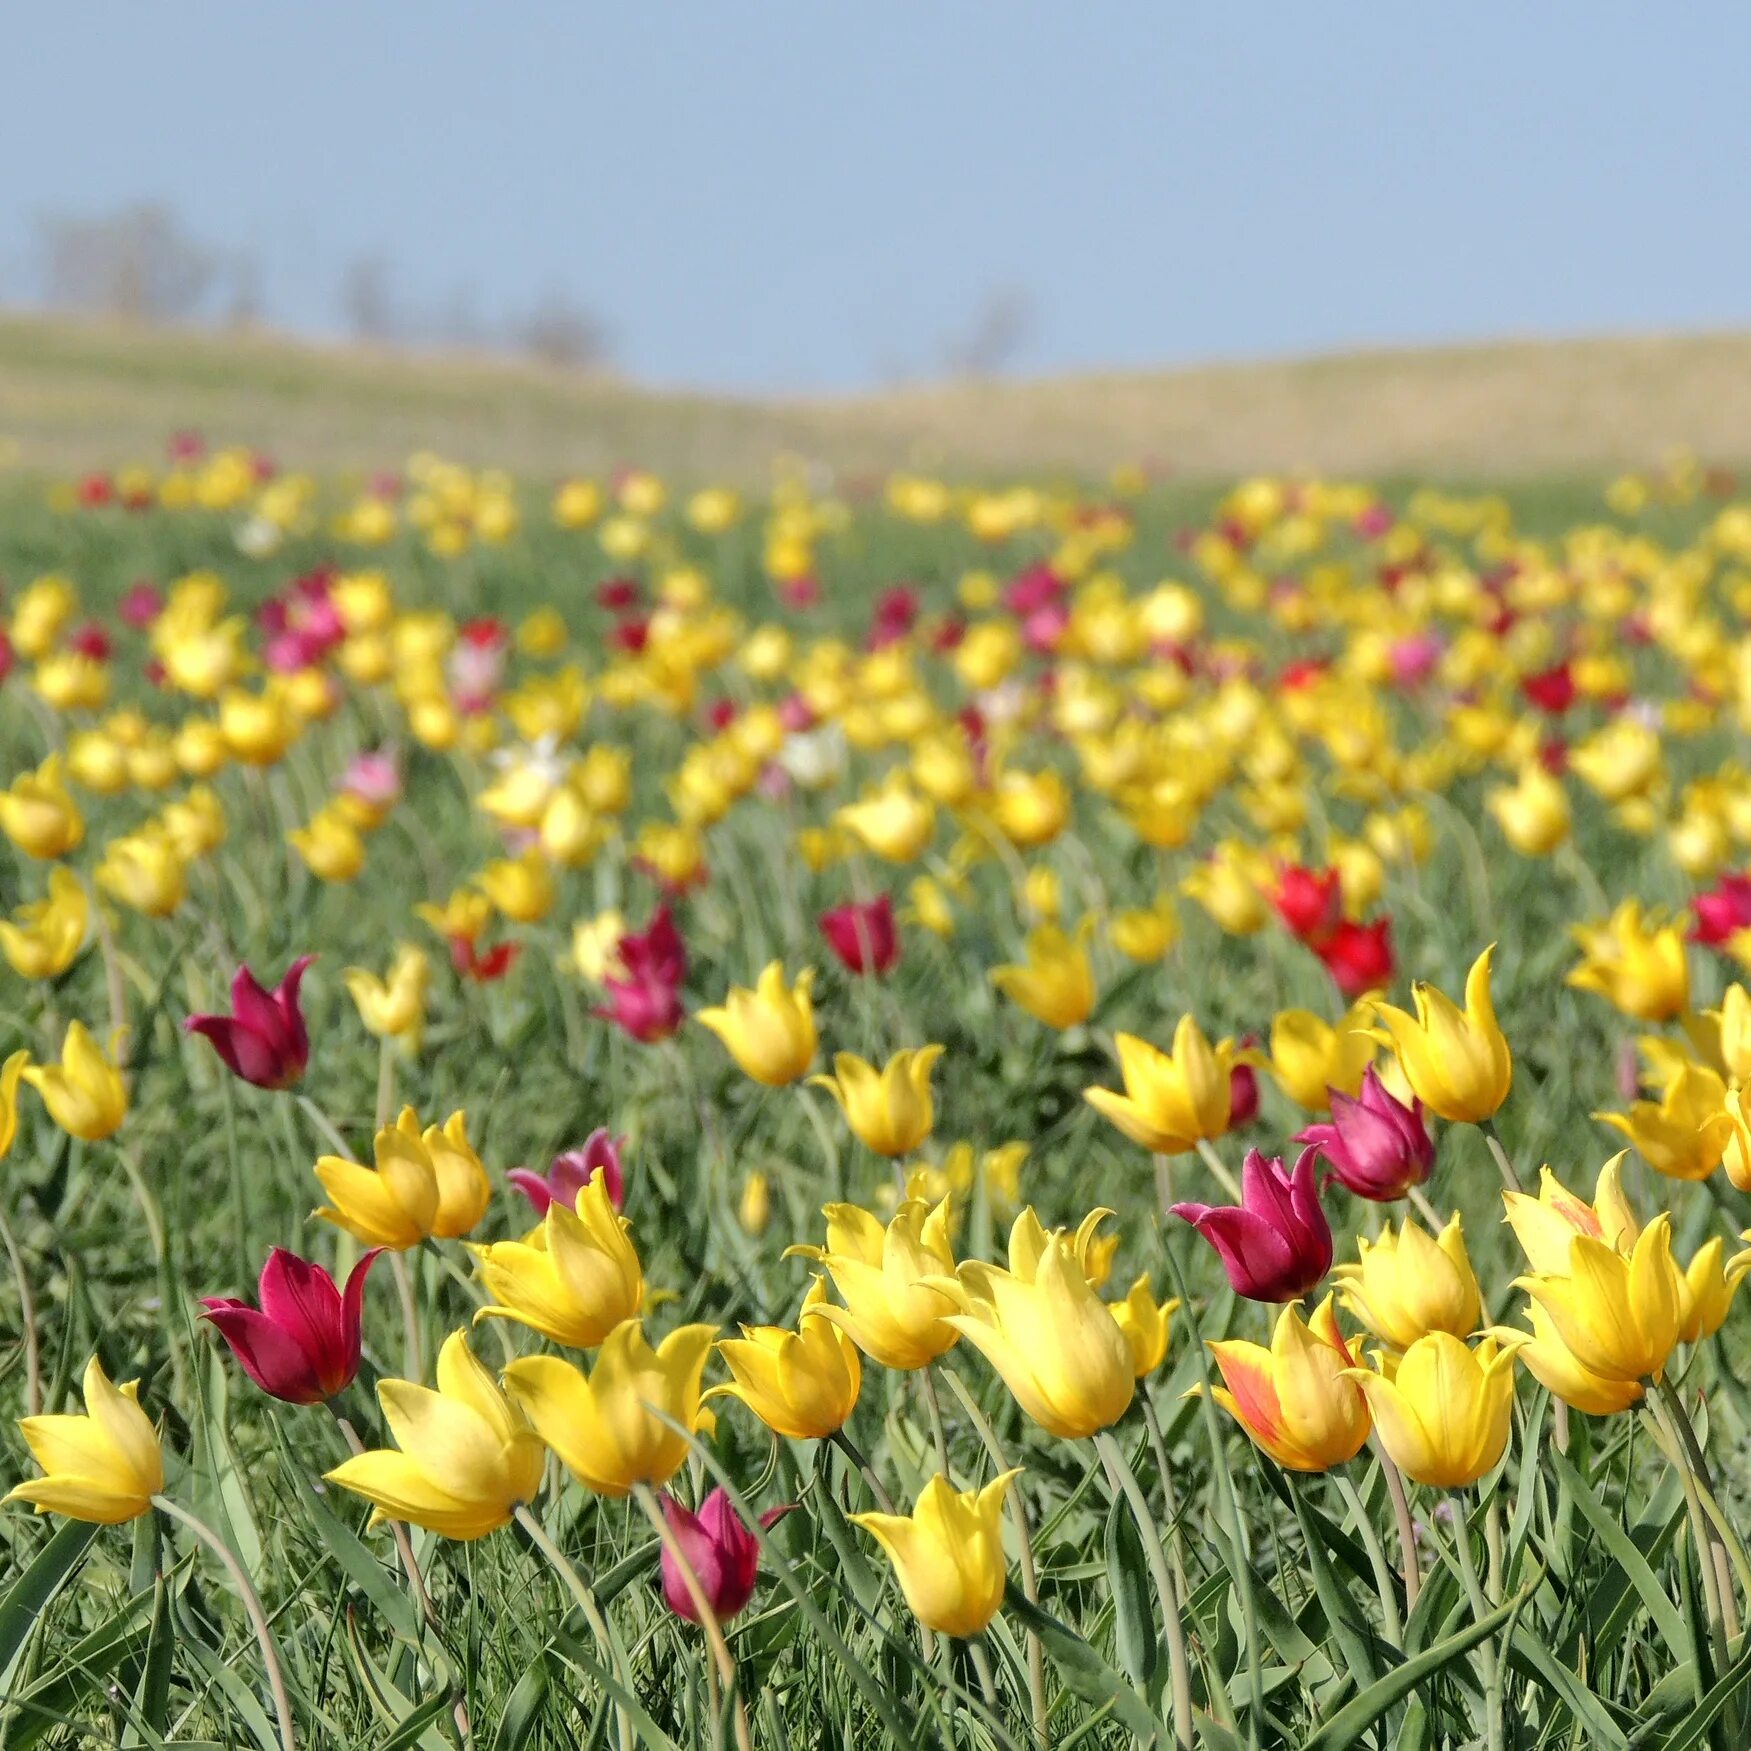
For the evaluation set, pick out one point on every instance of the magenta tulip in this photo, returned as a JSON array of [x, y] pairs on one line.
[[1376, 1146], [263, 1040], [1275, 1244], [573, 1170], [862, 934], [722, 1553], [302, 1346]]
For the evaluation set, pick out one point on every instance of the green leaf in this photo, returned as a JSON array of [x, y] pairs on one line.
[[1608, 1529], [523, 1706], [1085, 1673], [1136, 1632], [363, 1568], [1695, 1725], [25, 1599], [151, 1716], [83, 1672]]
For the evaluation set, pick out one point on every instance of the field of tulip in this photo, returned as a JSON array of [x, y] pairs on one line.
[[887, 1114]]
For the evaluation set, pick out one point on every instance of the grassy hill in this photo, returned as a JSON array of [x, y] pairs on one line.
[[74, 396]]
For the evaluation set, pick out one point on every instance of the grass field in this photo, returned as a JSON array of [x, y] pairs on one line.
[[1172, 752]]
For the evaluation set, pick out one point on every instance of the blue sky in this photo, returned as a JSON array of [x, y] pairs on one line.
[[819, 195]]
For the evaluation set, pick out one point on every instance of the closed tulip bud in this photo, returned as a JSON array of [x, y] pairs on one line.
[[1172, 1100], [575, 1279], [862, 934], [145, 871], [1296, 1399], [606, 1429], [104, 1467], [1276, 1244], [263, 1040], [1310, 902], [1533, 812], [948, 1553], [1376, 1145], [1545, 1225], [1406, 1284], [395, 1007], [722, 1553], [893, 1308], [521, 887], [1685, 1134], [573, 1171], [41, 940], [330, 845], [467, 1458], [1050, 1337], [1312, 1059], [890, 1110], [1619, 1317], [85, 1093], [302, 1344], [1457, 1061], [1056, 983], [1640, 970], [769, 1031], [38, 814], [1442, 1411], [754, 1207], [1147, 1325], [801, 1384]]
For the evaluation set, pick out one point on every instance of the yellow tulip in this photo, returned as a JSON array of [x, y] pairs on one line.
[[1533, 812], [1686, 1132], [1056, 984], [144, 870], [1406, 1284], [889, 1110], [1296, 1399], [1226, 885], [105, 1466], [1619, 1317], [393, 1008], [85, 1093], [1640, 970], [575, 1279], [1311, 1057], [38, 814], [1147, 1325], [1733, 1029], [11, 1074], [622, 1425], [258, 727], [1443, 1412], [41, 939], [893, 1306], [754, 1207], [1456, 1061], [1039, 1323], [1145, 934], [895, 822], [948, 1553], [801, 1384], [1737, 1158], [1553, 1365], [1172, 1100], [521, 887], [1545, 1225], [195, 822], [596, 946], [769, 1031], [423, 1184], [1711, 1280], [467, 1458], [1030, 809], [330, 845]]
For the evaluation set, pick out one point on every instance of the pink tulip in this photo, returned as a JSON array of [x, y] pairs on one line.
[[303, 1344], [862, 934], [1376, 1146], [572, 1171], [1276, 1243], [263, 1040], [722, 1553]]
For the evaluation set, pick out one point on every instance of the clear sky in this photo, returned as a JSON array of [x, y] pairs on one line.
[[819, 194]]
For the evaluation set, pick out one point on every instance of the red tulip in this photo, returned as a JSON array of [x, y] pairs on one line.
[[646, 1002], [303, 1345], [1359, 956], [1552, 690], [722, 1553], [263, 1040], [572, 1171], [862, 934], [1243, 1091], [1310, 902], [1723, 912], [1275, 1244]]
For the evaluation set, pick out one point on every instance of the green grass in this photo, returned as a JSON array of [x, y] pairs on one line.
[[135, 1637]]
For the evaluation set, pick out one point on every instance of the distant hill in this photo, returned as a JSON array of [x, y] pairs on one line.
[[74, 396]]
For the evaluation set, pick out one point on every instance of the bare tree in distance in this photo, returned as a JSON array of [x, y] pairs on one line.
[[559, 332], [137, 263], [998, 330], [367, 304]]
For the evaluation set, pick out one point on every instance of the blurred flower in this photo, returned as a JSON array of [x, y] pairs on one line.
[[42, 939], [572, 1171], [1313, 1059], [1640, 970], [1359, 956], [862, 934], [890, 1110], [1147, 1325], [1056, 983], [263, 1040], [393, 1008], [38, 814], [1685, 1133]]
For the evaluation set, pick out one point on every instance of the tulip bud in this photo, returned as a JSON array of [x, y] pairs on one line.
[[263, 1040], [1378, 1147], [720, 1550], [1276, 1244], [303, 1345]]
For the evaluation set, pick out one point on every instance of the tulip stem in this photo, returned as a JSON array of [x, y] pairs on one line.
[[1407, 1532], [933, 1405], [1124, 1482], [1480, 1610], [1724, 1541], [252, 1606], [1223, 1177], [403, 1544], [852, 1452], [385, 1081], [33, 1367], [1169, 1495], [982, 1665], [708, 1619], [586, 1603], [1393, 1622], [410, 1318], [1504, 1163], [1430, 1215]]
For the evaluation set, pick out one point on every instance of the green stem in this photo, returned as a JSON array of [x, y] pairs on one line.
[[33, 1367], [1389, 1613], [1223, 1177], [1407, 1531], [1480, 1610], [1504, 1163]]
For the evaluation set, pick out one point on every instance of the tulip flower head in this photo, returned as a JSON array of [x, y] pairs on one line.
[[1544, 1225], [1147, 1325], [1359, 957], [1376, 1145], [11, 1074], [85, 1093], [1407, 1284], [769, 1031], [1638, 968], [105, 1466], [1172, 1100], [1684, 1134], [302, 1344], [1442, 1411], [38, 814], [424, 1183], [263, 1040], [644, 993], [889, 1110], [948, 1553], [395, 1007], [1456, 1061], [572, 1171], [801, 1384], [1312, 1058], [604, 1427], [1309, 902], [720, 1550], [1055, 985], [1275, 1244], [41, 940], [862, 934], [467, 1458], [1296, 1399]]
